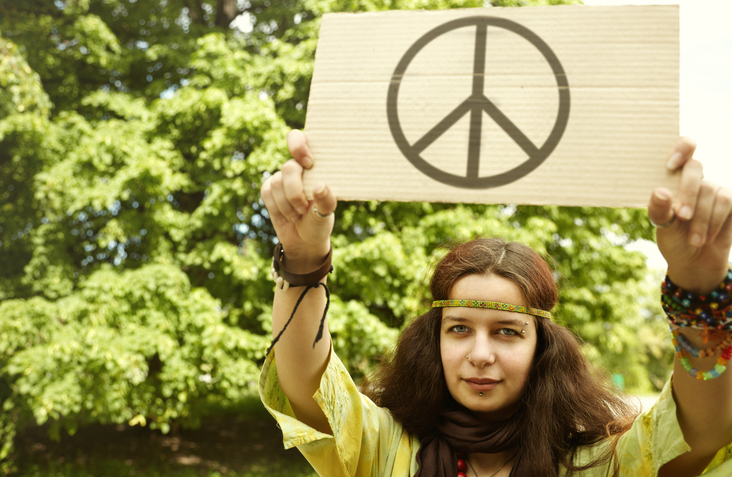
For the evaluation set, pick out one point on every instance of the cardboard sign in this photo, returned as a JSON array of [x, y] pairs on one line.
[[567, 105]]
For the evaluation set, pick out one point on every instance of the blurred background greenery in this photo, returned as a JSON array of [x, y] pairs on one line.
[[134, 247]]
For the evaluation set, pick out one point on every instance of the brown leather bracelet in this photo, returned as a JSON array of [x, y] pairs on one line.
[[296, 280]]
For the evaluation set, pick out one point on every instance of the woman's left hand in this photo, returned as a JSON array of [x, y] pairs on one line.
[[696, 244]]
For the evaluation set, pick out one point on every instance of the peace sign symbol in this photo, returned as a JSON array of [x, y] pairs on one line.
[[476, 104]]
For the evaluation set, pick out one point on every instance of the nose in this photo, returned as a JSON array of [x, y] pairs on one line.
[[482, 353]]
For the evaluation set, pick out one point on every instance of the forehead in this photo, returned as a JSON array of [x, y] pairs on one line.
[[487, 288]]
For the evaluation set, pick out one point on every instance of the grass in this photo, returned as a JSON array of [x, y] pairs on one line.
[[112, 468], [246, 444]]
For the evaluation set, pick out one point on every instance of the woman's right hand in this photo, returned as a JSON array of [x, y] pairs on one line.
[[305, 236]]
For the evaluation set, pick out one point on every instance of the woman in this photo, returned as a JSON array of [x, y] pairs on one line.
[[485, 384]]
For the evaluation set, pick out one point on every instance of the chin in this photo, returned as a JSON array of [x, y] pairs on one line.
[[500, 414], [490, 411]]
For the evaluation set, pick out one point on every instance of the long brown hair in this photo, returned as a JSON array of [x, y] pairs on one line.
[[566, 403]]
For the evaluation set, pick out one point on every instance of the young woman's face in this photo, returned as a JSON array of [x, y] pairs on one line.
[[500, 354]]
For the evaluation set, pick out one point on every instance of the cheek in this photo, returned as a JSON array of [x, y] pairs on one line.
[[521, 362], [451, 355]]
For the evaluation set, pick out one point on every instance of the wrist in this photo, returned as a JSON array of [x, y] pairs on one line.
[[302, 261], [697, 281], [304, 274], [709, 309]]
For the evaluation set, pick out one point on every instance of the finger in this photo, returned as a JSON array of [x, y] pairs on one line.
[[699, 226], [274, 212], [324, 199], [682, 152], [721, 215], [724, 239], [660, 208], [292, 183], [297, 143], [691, 179], [278, 194]]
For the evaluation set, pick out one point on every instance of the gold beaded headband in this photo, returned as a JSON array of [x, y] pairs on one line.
[[492, 305]]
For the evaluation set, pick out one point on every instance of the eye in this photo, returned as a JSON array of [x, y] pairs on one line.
[[459, 329], [508, 332]]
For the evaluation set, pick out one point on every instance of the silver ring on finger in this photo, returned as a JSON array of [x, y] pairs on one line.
[[665, 225], [322, 216]]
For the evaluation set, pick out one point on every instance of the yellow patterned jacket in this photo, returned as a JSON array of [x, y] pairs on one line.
[[368, 442]]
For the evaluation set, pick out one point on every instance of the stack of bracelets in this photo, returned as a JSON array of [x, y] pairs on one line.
[[712, 312]]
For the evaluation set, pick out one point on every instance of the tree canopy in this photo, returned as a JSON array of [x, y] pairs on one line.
[[135, 249]]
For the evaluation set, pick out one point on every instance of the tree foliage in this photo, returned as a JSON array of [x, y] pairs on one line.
[[135, 250]]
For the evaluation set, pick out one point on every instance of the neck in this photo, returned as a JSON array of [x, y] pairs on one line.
[[487, 464]]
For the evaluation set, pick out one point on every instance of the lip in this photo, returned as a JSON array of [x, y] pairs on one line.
[[482, 384]]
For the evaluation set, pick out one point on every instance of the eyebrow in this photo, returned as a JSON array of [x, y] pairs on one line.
[[502, 321]]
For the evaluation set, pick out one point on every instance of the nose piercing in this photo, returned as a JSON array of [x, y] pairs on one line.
[[527, 323], [523, 332]]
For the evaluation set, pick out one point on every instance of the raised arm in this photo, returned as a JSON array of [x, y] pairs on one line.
[[696, 246], [305, 237]]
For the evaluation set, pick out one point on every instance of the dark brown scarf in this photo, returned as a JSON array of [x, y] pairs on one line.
[[458, 430]]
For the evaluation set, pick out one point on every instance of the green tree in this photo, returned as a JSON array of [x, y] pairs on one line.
[[135, 250]]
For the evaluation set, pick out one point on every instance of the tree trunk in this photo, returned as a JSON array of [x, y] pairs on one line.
[[225, 13]]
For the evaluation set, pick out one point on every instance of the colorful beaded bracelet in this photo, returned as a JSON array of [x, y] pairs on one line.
[[720, 367], [689, 309], [705, 352]]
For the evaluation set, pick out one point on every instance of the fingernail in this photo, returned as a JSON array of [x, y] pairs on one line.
[[660, 197], [308, 163], [302, 210], [685, 212], [696, 240], [320, 189], [674, 161]]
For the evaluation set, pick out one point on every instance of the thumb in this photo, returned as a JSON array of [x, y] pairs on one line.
[[660, 209], [325, 201]]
